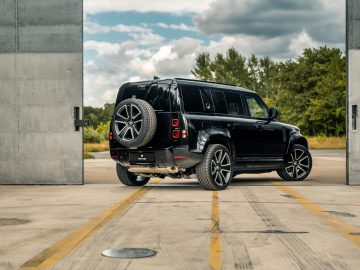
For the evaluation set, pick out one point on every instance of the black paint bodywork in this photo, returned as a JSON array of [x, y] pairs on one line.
[[256, 144]]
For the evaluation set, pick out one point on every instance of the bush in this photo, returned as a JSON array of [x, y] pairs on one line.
[[103, 130], [92, 136]]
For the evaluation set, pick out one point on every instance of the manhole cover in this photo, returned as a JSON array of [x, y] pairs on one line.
[[129, 253], [12, 221]]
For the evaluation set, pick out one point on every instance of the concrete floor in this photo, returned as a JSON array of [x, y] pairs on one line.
[[254, 224]]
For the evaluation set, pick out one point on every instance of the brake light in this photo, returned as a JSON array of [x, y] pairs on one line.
[[176, 134], [115, 156], [183, 134], [110, 135], [175, 122], [179, 157]]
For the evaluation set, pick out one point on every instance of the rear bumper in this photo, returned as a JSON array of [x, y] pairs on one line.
[[166, 161]]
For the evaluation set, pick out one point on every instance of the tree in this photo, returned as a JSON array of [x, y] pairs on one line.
[[309, 91]]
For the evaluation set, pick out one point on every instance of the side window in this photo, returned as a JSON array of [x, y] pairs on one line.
[[257, 108], [234, 102], [219, 102], [191, 99], [207, 101]]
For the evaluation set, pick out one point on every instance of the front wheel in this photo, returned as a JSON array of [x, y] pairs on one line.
[[214, 172], [128, 178], [298, 164]]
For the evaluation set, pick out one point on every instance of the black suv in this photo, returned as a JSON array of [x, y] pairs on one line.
[[184, 128]]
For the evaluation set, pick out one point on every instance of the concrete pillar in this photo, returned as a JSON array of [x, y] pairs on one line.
[[353, 102], [41, 81]]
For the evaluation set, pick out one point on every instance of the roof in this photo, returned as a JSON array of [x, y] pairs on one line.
[[198, 83], [213, 84]]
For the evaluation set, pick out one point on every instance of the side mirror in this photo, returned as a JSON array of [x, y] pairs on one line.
[[273, 113]]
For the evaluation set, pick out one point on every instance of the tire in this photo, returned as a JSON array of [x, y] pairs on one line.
[[133, 123], [299, 164], [128, 178], [212, 174]]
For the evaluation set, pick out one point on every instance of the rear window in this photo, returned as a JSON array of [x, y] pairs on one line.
[[156, 94]]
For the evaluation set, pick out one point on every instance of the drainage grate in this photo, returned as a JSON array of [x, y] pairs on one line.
[[129, 253]]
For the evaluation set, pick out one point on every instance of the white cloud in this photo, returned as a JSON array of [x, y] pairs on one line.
[[98, 6], [101, 48], [181, 26], [301, 42]]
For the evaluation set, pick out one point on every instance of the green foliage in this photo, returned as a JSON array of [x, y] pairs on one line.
[[310, 91], [103, 130], [99, 115], [92, 136]]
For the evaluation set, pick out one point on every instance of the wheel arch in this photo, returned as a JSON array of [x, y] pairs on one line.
[[296, 138], [216, 136]]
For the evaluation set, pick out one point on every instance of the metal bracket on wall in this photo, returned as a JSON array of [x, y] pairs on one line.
[[78, 122], [354, 115]]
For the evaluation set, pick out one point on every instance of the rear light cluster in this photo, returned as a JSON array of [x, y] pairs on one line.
[[110, 135], [176, 130]]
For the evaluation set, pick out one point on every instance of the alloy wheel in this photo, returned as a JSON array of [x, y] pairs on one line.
[[299, 165], [128, 122], [221, 167]]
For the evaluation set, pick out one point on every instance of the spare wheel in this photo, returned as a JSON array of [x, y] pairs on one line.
[[134, 122]]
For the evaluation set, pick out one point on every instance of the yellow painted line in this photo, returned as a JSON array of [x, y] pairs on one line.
[[338, 225], [51, 255], [215, 240]]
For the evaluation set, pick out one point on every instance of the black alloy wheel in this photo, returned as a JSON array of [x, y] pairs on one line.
[[215, 170], [298, 165]]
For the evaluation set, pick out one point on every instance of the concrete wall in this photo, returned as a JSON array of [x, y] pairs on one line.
[[41, 81], [353, 53]]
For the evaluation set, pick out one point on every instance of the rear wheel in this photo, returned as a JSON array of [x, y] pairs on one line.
[[298, 165], [214, 172], [128, 178]]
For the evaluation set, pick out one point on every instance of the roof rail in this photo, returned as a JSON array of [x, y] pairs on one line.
[[194, 80]]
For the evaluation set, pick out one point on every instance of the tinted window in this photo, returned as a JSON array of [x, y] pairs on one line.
[[192, 98], [207, 100], [156, 94], [219, 102], [174, 98], [257, 108], [234, 103]]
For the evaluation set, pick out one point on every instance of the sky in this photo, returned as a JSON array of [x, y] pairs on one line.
[[139, 39]]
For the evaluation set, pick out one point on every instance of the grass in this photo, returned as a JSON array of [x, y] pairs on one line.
[[321, 142], [95, 147], [87, 155]]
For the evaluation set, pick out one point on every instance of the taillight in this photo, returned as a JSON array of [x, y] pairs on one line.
[[176, 134], [183, 134], [175, 122], [110, 135]]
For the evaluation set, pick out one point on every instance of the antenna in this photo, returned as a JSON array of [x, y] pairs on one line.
[[156, 78]]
